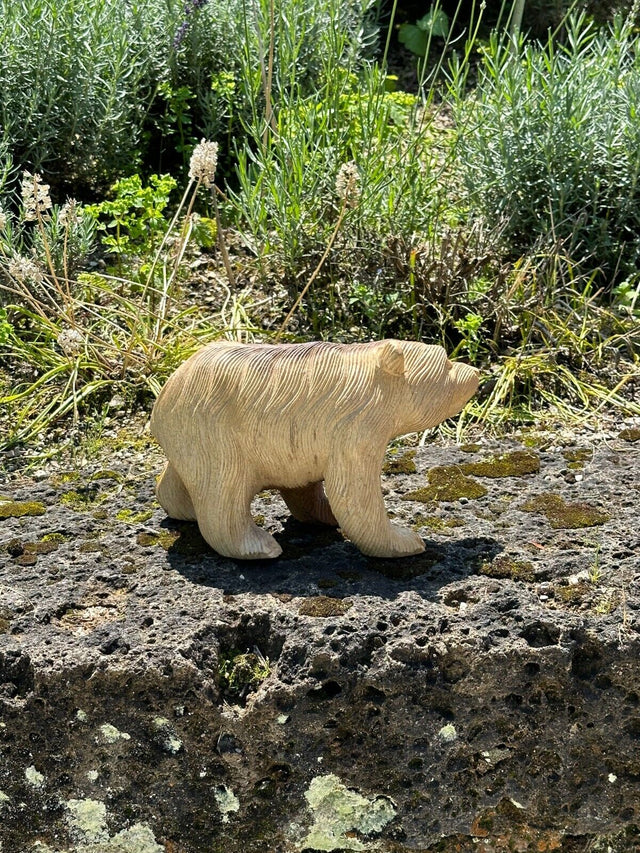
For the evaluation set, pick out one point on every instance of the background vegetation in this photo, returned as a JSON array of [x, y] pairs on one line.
[[456, 173]]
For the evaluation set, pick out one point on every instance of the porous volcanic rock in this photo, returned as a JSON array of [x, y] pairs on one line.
[[484, 695]]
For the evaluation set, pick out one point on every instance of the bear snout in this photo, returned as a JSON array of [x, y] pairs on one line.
[[465, 379], [466, 376]]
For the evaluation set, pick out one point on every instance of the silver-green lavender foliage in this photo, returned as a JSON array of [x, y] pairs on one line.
[[89, 88], [550, 144]]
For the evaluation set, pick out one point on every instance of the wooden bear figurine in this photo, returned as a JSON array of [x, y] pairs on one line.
[[312, 420]]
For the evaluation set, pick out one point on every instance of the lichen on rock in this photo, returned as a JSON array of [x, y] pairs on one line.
[[34, 777], [87, 820], [110, 734], [340, 812], [227, 802]]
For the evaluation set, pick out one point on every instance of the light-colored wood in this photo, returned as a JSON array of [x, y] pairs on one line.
[[238, 418]]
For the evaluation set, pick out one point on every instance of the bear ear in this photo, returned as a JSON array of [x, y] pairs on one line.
[[391, 358]]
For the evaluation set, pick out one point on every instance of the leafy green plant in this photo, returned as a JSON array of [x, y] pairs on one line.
[[177, 119], [417, 37], [470, 327], [241, 673], [132, 222]]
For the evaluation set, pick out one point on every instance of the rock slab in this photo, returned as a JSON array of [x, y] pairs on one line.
[[482, 696]]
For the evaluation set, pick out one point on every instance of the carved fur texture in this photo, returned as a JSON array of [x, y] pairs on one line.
[[312, 420]]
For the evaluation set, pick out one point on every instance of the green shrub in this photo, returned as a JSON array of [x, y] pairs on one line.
[[549, 145], [132, 222], [286, 198]]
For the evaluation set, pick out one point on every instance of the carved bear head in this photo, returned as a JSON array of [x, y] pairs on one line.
[[438, 388]]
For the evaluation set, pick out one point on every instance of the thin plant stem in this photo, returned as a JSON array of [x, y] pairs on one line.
[[268, 80], [516, 19], [65, 296], [392, 18], [316, 271], [167, 233], [221, 243]]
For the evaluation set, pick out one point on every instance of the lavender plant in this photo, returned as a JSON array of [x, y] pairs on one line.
[[550, 145]]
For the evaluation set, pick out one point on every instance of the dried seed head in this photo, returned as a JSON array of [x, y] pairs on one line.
[[348, 184], [71, 341], [3, 220], [204, 161], [69, 212], [36, 200], [24, 270]]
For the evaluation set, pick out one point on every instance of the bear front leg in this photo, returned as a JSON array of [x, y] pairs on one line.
[[223, 511], [353, 489], [173, 496], [309, 504]]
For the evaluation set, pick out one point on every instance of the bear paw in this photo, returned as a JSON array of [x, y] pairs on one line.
[[260, 545], [403, 543]]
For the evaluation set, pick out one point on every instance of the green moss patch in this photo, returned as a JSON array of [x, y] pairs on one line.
[[130, 516], [323, 606], [434, 522], [107, 475], [59, 538], [573, 594], [504, 567], [403, 464], [186, 541], [577, 456], [63, 478], [535, 439], [630, 434], [447, 483], [18, 509], [82, 500], [241, 673], [164, 538], [515, 464], [563, 515]]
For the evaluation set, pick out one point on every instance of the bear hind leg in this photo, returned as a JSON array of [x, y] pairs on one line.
[[225, 521], [309, 504], [173, 496]]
